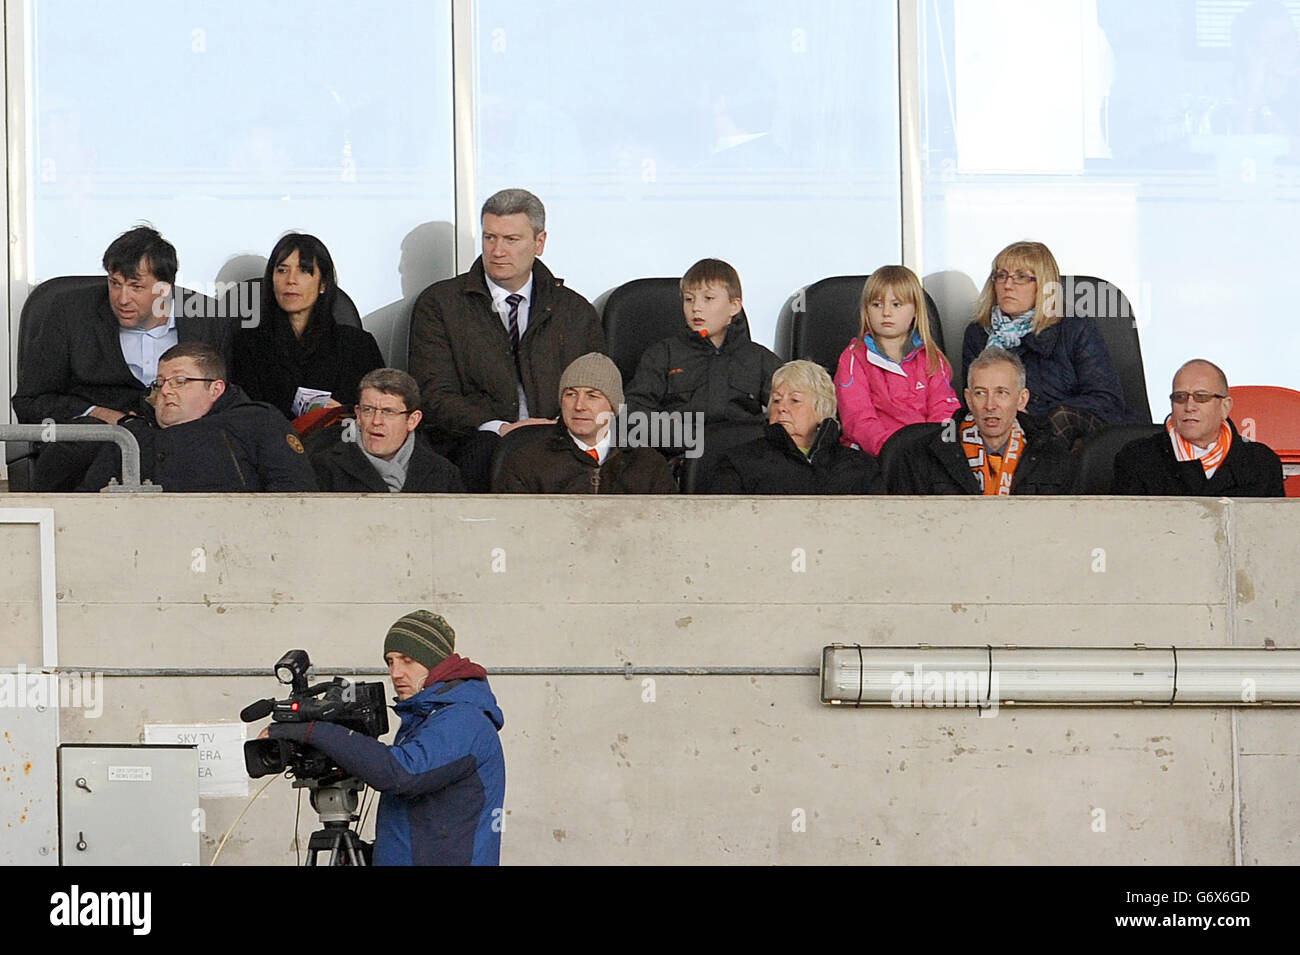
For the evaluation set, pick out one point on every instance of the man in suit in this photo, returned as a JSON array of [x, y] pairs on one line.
[[488, 347], [95, 354]]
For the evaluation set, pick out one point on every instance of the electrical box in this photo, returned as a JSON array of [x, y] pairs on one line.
[[29, 811], [128, 805]]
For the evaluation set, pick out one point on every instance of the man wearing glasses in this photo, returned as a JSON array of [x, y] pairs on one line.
[[200, 433], [1200, 454], [381, 451]]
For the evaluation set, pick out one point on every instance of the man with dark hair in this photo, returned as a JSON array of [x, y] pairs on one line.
[[203, 434], [488, 347], [444, 778], [1201, 454], [381, 451], [98, 350], [992, 449]]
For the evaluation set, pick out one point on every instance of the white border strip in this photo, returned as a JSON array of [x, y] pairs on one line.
[[44, 517], [462, 110], [909, 132]]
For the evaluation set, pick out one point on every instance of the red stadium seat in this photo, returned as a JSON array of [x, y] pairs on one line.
[[1271, 414]]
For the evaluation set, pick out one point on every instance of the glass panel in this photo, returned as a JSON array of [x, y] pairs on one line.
[[764, 134], [1152, 144], [226, 124]]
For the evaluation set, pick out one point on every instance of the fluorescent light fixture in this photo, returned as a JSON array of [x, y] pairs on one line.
[[989, 677]]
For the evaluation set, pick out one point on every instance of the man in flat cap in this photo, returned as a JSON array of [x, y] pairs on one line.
[[444, 778]]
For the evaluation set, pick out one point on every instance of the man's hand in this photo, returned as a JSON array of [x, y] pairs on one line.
[[265, 734], [107, 415], [511, 425]]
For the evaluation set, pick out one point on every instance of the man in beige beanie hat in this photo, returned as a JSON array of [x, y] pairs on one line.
[[576, 456]]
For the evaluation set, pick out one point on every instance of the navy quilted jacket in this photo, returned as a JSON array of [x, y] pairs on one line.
[[1067, 364]]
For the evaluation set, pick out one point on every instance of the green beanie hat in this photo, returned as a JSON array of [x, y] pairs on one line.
[[423, 636]]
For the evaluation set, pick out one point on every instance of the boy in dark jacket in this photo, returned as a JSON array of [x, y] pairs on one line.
[[712, 366]]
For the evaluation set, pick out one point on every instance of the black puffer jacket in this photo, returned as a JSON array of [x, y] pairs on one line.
[[460, 351], [555, 465], [239, 445], [687, 373], [774, 465], [936, 466]]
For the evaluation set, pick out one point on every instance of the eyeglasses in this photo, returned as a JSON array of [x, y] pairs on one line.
[[1201, 397], [176, 381], [1017, 278], [369, 411]]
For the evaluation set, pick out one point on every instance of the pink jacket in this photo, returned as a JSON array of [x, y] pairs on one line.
[[877, 396]]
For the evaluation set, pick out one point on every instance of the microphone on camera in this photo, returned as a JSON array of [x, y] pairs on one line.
[[256, 711]]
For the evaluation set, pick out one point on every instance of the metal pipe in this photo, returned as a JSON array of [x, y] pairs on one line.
[[124, 439], [628, 671]]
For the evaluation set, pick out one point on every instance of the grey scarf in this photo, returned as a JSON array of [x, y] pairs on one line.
[[393, 472]]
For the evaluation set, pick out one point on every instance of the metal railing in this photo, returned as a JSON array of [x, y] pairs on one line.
[[53, 433]]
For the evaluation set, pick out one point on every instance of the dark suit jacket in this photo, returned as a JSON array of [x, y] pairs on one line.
[[74, 359]]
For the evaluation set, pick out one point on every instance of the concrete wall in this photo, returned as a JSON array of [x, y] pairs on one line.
[[716, 768]]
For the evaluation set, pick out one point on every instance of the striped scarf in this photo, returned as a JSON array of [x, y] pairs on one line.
[[1210, 457], [994, 476]]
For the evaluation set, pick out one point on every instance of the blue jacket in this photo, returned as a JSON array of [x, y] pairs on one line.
[[443, 780], [1066, 364]]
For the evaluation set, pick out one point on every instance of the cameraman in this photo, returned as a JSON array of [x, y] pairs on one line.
[[444, 778]]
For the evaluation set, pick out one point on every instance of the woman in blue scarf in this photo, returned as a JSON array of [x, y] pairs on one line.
[[1071, 379]]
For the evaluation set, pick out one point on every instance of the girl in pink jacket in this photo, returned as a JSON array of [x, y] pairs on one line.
[[894, 375]]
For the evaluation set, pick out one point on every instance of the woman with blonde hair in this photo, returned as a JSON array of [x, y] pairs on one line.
[[1071, 379], [800, 450], [893, 374]]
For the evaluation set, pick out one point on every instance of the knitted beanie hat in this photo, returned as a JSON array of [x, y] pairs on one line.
[[594, 370], [423, 636]]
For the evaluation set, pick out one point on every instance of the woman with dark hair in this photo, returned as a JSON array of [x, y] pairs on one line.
[[296, 347]]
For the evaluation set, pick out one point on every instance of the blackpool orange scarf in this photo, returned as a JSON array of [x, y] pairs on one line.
[[993, 474], [1211, 458]]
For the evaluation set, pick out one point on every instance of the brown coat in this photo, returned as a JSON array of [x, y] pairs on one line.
[[460, 351], [555, 465]]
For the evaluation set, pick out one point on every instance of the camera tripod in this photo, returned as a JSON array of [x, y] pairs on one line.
[[336, 804]]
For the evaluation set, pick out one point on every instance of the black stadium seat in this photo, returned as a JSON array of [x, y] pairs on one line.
[[637, 314], [1087, 296], [896, 448], [818, 321], [20, 456], [1096, 464]]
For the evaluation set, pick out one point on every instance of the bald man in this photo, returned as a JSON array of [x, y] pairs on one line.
[[1200, 454]]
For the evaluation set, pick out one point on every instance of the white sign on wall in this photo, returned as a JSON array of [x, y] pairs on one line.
[[221, 753]]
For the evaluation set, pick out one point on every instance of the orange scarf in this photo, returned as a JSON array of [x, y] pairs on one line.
[[1184, 450], [993, 474]]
